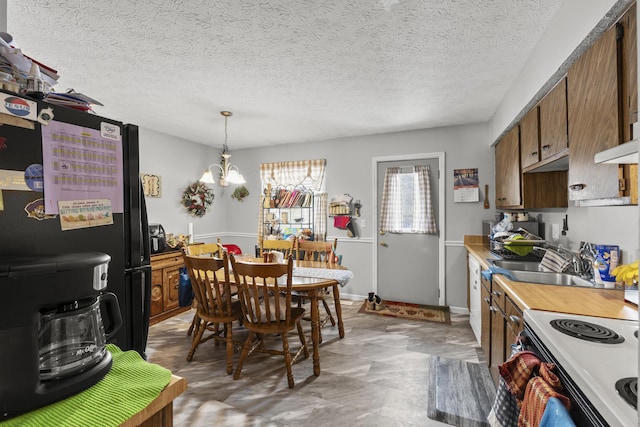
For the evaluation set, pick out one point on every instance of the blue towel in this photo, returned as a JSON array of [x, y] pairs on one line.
[[486, 274], [506, 273], [556, 415]]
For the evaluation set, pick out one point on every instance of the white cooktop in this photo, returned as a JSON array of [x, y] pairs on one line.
[[594, 367]]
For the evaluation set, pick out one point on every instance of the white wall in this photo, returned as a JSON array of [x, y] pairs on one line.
[[179, 162]]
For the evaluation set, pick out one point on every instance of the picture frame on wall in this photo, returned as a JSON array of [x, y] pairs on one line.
[[151, 185]]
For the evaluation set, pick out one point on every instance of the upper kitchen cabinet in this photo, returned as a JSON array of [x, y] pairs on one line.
[[601, 103], [629, 72], [508, 176], [544, 139], [530, 139], [554, 140]]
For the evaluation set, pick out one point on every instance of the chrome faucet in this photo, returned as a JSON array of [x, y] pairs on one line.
[[589, 260]]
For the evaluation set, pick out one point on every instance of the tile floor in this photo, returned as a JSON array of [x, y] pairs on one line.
[[376, 376]]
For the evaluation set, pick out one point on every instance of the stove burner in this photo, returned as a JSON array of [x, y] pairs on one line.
[[587, 331], [628, 389]]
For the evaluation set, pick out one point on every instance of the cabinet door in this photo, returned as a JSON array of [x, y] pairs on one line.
[[508, 175], [629, 64], [529, 139], [515, 324], [157, 292], [553, 122], [171, 281], [592, 90], [485, 311], [498, 329]]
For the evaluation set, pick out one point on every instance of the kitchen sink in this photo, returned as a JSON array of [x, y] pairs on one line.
[[518, 265], [545, 278]]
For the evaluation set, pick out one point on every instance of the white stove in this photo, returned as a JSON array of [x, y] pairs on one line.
[[593, 367]]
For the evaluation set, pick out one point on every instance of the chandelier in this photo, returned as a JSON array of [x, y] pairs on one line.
[[228, 173]]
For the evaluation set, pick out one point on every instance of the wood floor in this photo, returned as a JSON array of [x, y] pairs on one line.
[[378, 375]]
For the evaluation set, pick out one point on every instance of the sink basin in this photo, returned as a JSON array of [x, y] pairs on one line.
[[545, 278], [512, 265]]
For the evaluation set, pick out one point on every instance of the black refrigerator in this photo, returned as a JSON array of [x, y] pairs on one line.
[[77, 163]]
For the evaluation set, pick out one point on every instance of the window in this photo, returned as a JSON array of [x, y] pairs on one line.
[[406, 205], [305, 173]]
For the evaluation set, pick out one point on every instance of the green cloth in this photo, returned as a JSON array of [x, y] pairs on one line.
[[130, 385], [521, 250]]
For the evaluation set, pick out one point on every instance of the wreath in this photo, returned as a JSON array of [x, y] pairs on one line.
[[197, 197]]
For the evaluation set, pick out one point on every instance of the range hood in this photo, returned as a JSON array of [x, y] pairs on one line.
[[621, 154]]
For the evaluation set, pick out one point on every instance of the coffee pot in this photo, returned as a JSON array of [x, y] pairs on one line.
[[53, 312]]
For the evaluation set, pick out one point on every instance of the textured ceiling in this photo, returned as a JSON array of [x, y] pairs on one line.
[[290, 71]]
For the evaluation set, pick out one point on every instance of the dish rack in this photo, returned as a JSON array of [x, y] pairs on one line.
[[498, 248]]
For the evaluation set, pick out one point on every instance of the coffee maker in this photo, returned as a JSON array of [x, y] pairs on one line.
[[52, 335]]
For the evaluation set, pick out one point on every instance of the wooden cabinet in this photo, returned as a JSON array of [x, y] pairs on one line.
[[498, 331], [592, 91], [544, 134], [530, 138], [515, 324], [515, 189], [165, 280], [508, 174], [554, 139]]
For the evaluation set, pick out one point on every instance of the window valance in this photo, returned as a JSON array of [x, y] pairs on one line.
[[309, 173]]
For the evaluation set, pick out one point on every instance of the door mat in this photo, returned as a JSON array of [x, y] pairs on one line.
[[460, 393], [405, 310]]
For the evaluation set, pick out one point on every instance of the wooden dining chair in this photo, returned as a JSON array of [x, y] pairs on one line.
[[284, 246], [267, 310], [202, 249], [205, 249], [319, 252], [215, 305]]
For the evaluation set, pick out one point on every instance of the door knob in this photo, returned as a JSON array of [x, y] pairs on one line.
[[383, 244]]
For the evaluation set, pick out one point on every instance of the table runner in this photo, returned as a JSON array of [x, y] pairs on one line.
[[341, 276], [128, 387]]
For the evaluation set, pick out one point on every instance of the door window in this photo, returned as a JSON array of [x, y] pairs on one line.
[[406, 205]]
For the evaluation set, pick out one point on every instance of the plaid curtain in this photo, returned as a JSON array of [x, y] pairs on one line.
[[391, 203], [308, 173], [424, 220], [320, 212]]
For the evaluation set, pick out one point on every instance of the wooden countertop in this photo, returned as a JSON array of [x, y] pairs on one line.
[[584, 301], [160, 411]]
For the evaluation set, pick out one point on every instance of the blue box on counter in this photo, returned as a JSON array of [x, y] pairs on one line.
[[608, 257]]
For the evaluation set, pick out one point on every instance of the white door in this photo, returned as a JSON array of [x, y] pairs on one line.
[[409, 264]]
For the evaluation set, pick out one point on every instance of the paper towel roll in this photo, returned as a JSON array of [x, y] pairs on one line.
[[190, 232]]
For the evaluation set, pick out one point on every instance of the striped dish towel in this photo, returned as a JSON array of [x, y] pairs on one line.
[[539, 390], [553, 261]]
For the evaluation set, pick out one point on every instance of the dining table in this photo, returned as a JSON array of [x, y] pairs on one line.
[[312, 277]]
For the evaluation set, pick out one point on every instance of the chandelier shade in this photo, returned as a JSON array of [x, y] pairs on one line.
[[229, 173]]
